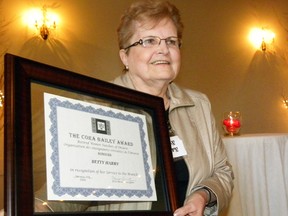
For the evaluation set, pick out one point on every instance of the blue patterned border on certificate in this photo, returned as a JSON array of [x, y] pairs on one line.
[[97, 192]]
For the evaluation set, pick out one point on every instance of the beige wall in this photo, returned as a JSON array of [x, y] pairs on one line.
[[217, 57]]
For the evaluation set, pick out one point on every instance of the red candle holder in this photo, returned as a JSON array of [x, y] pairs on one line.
[[232, 123]]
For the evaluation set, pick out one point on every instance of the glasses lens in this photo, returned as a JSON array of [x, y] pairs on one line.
[[150, 41], [172, 42]]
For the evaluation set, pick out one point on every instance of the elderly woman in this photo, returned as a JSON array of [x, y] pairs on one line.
[[150, 36]]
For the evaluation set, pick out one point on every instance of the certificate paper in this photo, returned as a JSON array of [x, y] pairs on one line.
[[95, 152]]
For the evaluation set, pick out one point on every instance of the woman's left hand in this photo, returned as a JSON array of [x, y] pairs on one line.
[[194, 205]]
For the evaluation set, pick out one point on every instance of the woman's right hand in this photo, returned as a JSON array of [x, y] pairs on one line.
[[194, 205]]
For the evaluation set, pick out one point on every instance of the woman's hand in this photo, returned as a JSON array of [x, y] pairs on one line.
[[194, 205]]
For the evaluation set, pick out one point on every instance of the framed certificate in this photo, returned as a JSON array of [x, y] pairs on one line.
[[75, 145]]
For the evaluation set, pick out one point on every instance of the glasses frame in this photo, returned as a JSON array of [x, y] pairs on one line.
[[141, 41]]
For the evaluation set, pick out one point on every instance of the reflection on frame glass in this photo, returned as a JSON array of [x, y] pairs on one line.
[[89, 146]]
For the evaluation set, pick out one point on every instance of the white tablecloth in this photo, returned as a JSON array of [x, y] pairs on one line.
[[260, 165]]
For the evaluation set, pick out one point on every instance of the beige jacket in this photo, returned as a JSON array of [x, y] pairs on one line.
[[192, 120]]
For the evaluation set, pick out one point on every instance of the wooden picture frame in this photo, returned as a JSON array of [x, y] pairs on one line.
[[25, 82]]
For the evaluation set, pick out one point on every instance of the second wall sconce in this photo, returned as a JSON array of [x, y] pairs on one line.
[[1, 99], [285, 101], [262, 38]]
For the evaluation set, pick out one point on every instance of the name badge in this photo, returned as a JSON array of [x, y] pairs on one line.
[[177, 147]]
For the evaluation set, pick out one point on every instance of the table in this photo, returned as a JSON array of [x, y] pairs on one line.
[[260, 165]]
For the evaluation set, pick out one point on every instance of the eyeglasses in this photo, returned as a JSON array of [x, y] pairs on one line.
[[152, 41]]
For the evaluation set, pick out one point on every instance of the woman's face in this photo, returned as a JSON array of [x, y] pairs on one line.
[[159, 64]]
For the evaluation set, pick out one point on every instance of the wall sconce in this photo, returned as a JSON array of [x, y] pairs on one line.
[[1, 99], [45, 22], [262, 38], [285, 101]]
